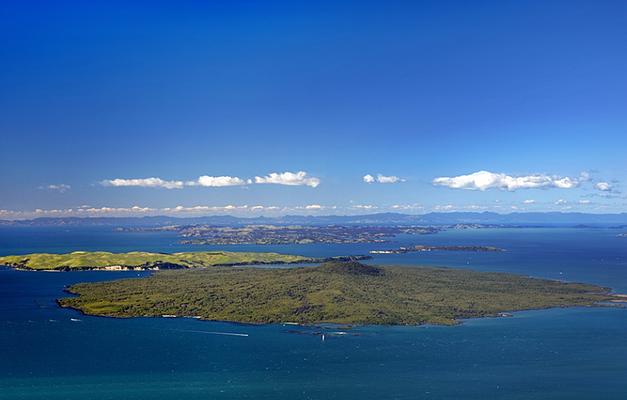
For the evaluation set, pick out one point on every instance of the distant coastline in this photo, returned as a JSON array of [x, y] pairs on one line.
[[490, 219], [419, 248]]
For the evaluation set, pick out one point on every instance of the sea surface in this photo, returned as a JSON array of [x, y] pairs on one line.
[[576, 353]]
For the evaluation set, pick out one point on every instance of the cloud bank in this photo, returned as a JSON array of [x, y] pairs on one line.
[[179, 210], [484, 180], [299, 178]]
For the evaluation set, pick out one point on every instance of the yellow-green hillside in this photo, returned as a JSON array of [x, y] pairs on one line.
[[139, 259]]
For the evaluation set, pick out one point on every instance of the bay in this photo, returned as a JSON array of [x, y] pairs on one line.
[[575, 353]]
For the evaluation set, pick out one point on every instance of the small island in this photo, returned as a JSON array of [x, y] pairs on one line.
[[345, 292], [402, 250], [141, 260]]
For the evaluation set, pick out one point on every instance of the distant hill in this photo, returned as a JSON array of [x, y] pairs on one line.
[[485, 218]]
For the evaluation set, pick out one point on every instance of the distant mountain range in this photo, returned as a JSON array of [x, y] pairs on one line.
[[483, 218]]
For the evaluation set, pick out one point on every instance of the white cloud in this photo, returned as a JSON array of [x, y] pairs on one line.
[[561, 183], [584, 202], [529, 201], [313, 207], [299, 178], [365, 207], [474, 207], [604, 186], [561, 202], [464, 207], [446, 207], [368, 178], [407, 207], [483, 180], [217, 181], [61, 187], [389, 179], [205, 209], [263, 208], [382, 179], [143, 182]]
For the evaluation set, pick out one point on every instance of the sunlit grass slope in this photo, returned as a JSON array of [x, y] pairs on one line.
[[103, 260]]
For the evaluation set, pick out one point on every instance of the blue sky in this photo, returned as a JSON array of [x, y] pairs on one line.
[[97, 97]]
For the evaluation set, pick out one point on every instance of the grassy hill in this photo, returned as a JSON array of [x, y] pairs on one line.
[[143, 260], [337, 292]]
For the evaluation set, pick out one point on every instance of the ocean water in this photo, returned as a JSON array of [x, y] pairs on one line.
[[578, 353]]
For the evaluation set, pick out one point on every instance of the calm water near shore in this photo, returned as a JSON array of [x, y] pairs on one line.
[[577, 353]]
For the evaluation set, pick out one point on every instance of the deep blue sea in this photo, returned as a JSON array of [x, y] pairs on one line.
[[576, 353]]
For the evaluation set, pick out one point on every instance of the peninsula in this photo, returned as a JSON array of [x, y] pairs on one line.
[[345, 292], [288, 234], [140, 260]]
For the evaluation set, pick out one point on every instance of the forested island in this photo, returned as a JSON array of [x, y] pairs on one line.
[[345, 292], [141, 260]]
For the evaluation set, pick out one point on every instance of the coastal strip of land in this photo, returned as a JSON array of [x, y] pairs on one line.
[[402, 250], [140, 260], [345, 292]]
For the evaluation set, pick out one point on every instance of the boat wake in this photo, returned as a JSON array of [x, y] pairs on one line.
[[213, 333]]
